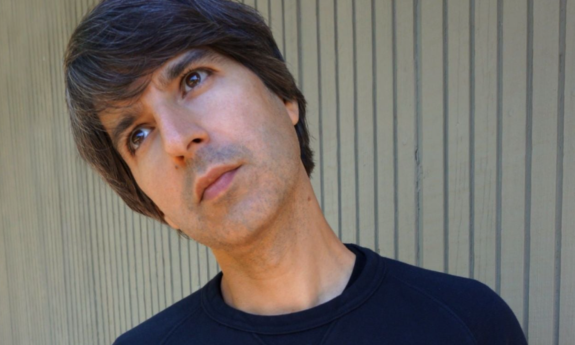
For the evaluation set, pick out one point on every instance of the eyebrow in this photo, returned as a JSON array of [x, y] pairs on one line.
[[175, 69]]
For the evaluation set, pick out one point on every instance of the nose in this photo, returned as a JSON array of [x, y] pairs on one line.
[[181, 133]]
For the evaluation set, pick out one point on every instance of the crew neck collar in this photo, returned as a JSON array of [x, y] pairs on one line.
[[351, 298]]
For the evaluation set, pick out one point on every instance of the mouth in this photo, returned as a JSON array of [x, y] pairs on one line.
[[215, 182]]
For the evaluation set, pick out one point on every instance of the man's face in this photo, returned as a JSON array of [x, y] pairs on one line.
[[211, 146]]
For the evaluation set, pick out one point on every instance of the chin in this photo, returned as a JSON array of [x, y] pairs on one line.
[[243, 225]]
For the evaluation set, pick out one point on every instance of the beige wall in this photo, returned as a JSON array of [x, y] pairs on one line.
[[444, 134]]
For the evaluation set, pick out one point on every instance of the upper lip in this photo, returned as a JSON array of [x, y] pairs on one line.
[[210, 177]]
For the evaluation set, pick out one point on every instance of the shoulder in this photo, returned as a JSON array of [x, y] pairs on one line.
[[471, 303], [157, 328]]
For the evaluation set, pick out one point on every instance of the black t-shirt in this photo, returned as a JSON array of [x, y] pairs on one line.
[[357, 267], [385, 302]]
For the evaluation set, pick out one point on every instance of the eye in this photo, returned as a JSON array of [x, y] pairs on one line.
[[137, 137], [193, 79]]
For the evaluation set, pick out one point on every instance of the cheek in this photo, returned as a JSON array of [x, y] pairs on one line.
[[158, 178]]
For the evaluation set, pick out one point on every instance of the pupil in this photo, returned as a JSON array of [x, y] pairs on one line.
[[137, 137], [193, 79]]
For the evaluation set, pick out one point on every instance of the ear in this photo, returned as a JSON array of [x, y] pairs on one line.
[[292, 110]]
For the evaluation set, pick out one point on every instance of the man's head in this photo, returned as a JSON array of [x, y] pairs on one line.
[[144, 76]]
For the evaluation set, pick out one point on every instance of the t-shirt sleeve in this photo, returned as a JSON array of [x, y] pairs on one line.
[[496, 322], [484, 314]]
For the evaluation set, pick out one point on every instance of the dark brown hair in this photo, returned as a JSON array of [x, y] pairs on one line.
[[122, 41]]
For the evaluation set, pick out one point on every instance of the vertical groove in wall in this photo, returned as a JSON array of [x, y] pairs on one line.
[[161, 268], [23, 243], [337, 116], [190, 266], [100, 244], [145, 239], [79, 225], [171, 280], [320, 105], [138, 271], [85, 288], [74, 243], [180, 250], [299, 45], [84, 312], [528, 165], [92, 255], [559, 178], [5, 258], [153, 238], [499, 159], [395, 162], [93, 302], [53, 322], [38, 165], [127, 265], [208, 263], [110, 303], [56, 303], [355, 129], [10, 266], [7, 236], [269, 14], [418, 134], [284, 30], [98, 251], [375, 143], [198, 262], [112, 242], [123, 234], [168, 233], [181, 246], [97, 257], [117, 263], [445, 138], [472, 138], [61, 163], [63, 221], [107, 274]]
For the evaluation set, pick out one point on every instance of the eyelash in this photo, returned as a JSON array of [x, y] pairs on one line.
[[185, 75]]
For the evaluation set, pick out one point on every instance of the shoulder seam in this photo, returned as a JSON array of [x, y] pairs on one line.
[[177, 325], [441, 304]]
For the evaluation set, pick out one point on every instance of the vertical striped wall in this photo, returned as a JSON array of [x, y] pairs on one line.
[[444, 136]]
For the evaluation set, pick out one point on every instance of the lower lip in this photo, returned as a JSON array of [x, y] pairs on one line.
[[219, 186]]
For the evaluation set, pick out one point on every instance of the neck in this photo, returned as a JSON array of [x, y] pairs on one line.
[[298, 262]]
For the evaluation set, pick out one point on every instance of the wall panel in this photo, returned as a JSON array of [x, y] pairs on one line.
[[431, 148], [513, 156], [543, 171], [565, 302]]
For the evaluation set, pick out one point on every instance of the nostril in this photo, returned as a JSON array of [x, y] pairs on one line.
[[197, 140]]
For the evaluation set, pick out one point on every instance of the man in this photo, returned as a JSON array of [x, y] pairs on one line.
[[187, 110]]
